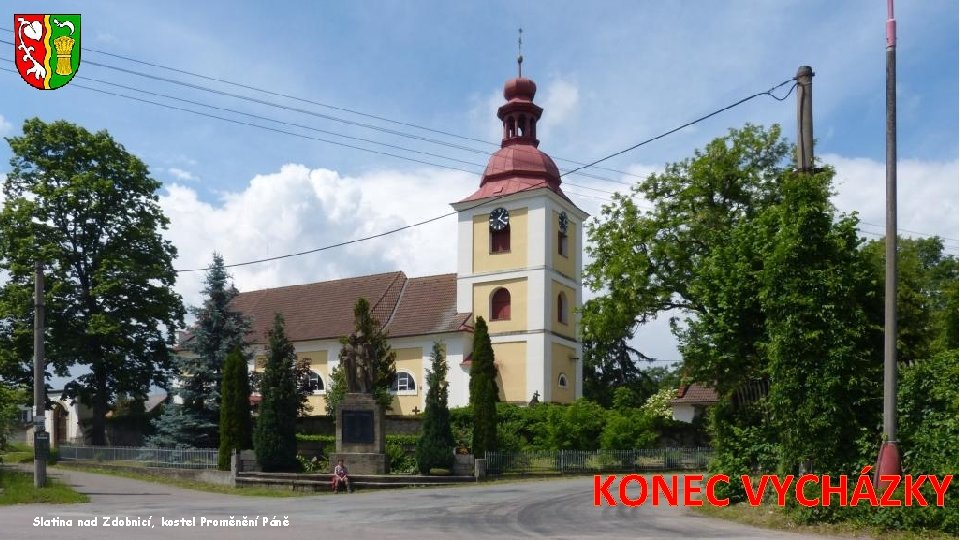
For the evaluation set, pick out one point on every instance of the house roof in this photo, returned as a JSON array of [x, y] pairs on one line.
[[696, 394], [427, 305], [324, 310]]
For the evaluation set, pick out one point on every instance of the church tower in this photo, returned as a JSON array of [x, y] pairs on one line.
[[519, 260]]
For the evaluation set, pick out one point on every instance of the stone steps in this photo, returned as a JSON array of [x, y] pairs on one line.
[[322, 482]]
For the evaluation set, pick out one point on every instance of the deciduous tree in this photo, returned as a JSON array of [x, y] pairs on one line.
[[87, 209]]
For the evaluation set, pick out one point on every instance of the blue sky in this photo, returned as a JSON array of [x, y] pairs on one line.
[[609, 75]]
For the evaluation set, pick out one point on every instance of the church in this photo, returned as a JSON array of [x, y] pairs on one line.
[[519, 259]]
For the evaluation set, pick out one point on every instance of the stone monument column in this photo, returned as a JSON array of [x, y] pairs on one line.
[[361, 439]]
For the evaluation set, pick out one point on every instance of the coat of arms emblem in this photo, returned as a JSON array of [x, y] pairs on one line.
[[47, 49]]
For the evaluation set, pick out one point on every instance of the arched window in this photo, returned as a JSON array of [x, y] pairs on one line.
[[522, 126], [563, 247], [404, 383], [562, 380], [500, 305], [313, 381], [562, 308]]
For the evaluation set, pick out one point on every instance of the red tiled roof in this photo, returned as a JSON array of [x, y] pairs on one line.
[[696, 394], [515, 168], [324, 310], [427, 305]]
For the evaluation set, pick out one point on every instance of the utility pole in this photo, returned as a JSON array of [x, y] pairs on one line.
[[805, 118], [889, 460], [41, 439]]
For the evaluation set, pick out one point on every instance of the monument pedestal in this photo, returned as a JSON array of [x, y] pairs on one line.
[[361, 440]]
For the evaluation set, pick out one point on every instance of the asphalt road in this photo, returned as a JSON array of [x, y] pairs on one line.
[[560, 509]]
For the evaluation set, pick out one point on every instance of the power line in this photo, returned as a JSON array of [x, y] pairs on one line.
[[264, 118], [305, 111], [371, 237], [260, 126], [541, 184], [926, 235], [371, 141], [317, 103], [698, 120]]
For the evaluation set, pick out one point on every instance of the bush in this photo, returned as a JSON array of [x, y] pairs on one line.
[[402, 461], [313, 465], [927, 412]]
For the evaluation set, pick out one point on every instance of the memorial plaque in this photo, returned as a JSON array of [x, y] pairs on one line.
[[358, 427]]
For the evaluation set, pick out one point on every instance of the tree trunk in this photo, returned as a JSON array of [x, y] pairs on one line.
[[99, 421]]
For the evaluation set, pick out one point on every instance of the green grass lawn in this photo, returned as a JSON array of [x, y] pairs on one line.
[[771, 516], [17, 488], [148, 476]]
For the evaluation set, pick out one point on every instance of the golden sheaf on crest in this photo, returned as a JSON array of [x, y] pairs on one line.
[[64, 45]]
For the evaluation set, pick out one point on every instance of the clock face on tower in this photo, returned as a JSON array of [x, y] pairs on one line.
[[499, 219]]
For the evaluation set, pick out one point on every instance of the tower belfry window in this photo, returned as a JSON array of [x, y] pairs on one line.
[[500, 305], [562, 309], [500, 241]]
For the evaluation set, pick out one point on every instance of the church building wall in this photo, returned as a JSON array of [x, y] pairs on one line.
[[511, 361], [563, 361]]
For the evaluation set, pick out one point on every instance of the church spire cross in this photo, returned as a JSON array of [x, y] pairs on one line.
[[520, 52]]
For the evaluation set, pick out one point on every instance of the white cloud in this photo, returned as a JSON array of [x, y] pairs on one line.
[[483, 115], [297, 209], [560, 103], [927, 196], [183, 175], [5, 127]]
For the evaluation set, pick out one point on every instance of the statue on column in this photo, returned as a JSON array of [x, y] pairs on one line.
[[358, 362]]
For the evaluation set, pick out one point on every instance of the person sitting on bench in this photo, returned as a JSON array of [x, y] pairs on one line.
[[341, 476]]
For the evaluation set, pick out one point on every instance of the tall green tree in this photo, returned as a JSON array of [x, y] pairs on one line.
[[484, 392], [11, 398], [821, 364], [275, 435], [435, 446], [927, 279], [192, 420], [235, 421], [88, 210], [648, 261]]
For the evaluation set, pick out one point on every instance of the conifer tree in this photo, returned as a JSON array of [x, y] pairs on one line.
[[435, 447], [275, 436], [235, 425], [484, 392], [218, 330]]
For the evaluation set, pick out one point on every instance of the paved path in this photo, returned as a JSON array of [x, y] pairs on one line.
[[559, 509]]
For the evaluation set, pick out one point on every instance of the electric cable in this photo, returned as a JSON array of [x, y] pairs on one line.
[[317, 103]]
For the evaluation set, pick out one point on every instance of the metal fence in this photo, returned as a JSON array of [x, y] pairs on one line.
[[172, 458], [597, 461]]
